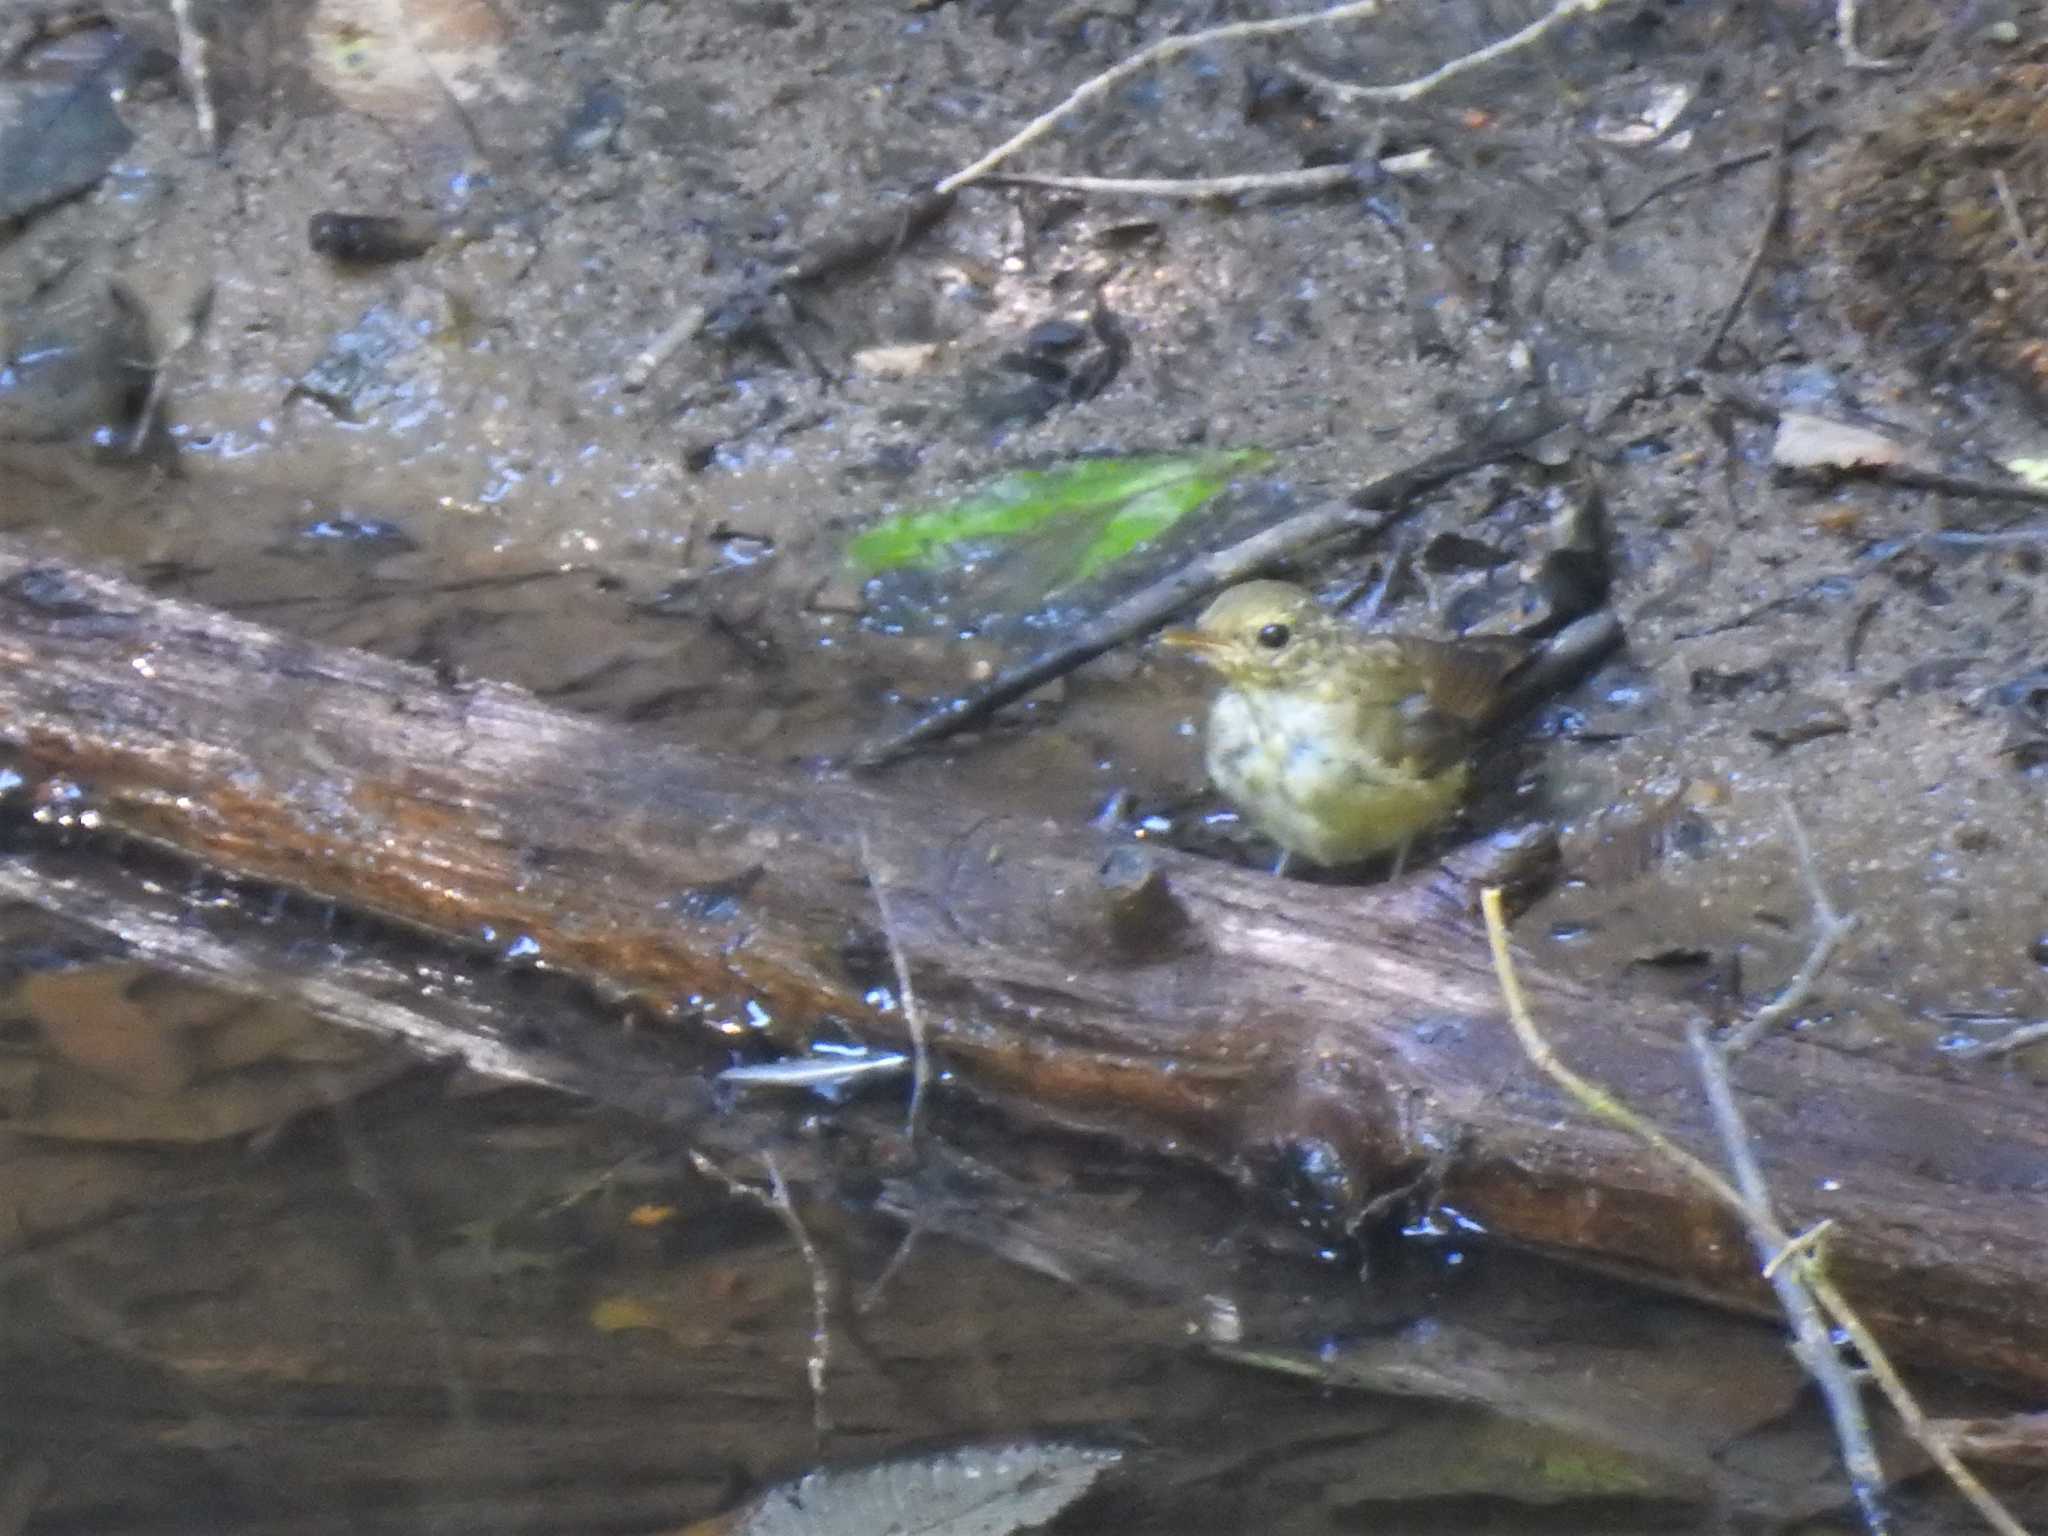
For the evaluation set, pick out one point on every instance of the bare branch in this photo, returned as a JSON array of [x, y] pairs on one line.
[[1422, 85], [1144, 58], [1830, 928]]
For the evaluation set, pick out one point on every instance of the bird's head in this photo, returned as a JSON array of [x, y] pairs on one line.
[[1259, 634]]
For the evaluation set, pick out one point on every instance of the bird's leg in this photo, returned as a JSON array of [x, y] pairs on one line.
[[1281, 864], [1400, 858]]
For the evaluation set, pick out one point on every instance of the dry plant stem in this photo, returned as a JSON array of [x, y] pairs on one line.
[[658, 351], [1845, 34], [192, 64], [1686, 179], [2017, 1440], [1831, 927], [1422, 85], [1590, 1096], [920, 1051], [1315, 178], [2013, 222], [1144, 58], [189, 326], [776, 1199], [1904, 1404], [1806, 1243], [1811, 1343], [1603, 1105], [1774, 212], [2015, 1040]]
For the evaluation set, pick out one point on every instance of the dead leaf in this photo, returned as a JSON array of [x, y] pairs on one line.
[[969, 1491], [1815, 442]]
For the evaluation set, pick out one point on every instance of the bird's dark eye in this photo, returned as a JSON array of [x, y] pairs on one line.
[[1274, 636]]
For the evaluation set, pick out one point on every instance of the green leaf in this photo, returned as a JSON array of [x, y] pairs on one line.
[[1102, 508]]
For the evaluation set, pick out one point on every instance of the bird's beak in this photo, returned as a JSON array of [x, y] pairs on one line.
[[1193, 641]]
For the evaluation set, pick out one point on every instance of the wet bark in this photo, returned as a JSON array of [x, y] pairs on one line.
[[1216, 1013]]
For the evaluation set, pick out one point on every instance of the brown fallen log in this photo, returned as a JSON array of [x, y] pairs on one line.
[[1201, 1010]]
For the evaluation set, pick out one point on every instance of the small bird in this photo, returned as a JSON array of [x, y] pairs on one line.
[[1335, 743]]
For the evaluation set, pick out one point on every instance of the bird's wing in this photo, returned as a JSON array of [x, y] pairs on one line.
[[1463, 678]]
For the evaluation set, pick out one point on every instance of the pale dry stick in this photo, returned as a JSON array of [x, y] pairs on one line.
[[1789, 1279], [1154, 53], [776, 1199], [1906, 1406], [1603, 1105], [1315, 178], [2013, 1440], [662, 348], [1845, 34], [2013, 1040], [189, 326], [192, 64], [920, 1050], [1802, 1257], [1807, 1242], [1422, 85], [2013, 221], [1774, 214], [1589, 1095], [1831, 927]]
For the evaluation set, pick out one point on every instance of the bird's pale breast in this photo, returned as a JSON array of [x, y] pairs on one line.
[[1301, 770]]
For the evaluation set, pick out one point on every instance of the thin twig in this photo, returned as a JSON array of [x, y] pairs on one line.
[[920, 1050], [688, 323], [1906, 1406], [2005, 1044], [1808, 1269], [190, 324], [1685, 179], [2013, 221], [1811, 1342], [1804, 1244], [1155, 53], [192, 64], [1830, 928], [776, 1199], [1359, 518], [1422, 85], [1141, 611], [1774, 212], [1314, 178], [1589, 1095], [1852, 53]]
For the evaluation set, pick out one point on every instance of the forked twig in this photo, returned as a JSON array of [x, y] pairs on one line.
[[1785, 1260], [1154, 53], [1314, 178], [1786, 1267], [920, 1050], [1830, 928], [1422, 85], [776, 1198], [193, 65]]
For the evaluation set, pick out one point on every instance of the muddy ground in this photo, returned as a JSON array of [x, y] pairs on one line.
[[479, 489]]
